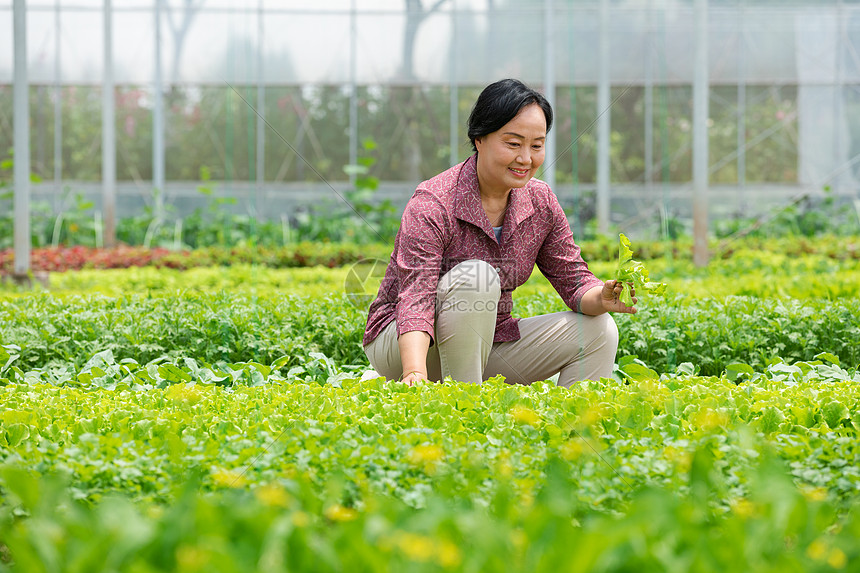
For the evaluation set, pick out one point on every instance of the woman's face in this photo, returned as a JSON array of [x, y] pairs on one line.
[[510, 157]]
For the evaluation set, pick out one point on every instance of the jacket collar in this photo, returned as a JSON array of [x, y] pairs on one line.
[[467, 201]]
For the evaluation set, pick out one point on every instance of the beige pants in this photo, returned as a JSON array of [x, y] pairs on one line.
[[574, 346]]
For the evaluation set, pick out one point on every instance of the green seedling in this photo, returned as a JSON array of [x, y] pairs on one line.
[[633, 272]]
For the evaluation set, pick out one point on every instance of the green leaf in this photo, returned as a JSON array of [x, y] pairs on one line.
[[833, 359], [355, 169], [834, 413], [738, 371], [771, 419], [633, 272], [16, 433], [640, 373], [173, 374]]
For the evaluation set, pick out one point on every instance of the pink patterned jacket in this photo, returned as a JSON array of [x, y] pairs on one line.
[[444, 224]]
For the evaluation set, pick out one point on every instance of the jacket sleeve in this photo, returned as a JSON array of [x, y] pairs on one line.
[[559, 259], [420, 246]]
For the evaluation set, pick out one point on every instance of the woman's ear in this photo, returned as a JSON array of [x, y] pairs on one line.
[[479, 141]]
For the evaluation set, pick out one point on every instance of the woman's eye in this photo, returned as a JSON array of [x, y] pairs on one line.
[[513, 144], [537, 147]]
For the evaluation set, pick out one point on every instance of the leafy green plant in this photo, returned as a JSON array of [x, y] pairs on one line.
[[285, 525], [633, 273]]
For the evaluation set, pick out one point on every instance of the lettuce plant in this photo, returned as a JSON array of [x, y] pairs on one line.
[[631, 272]]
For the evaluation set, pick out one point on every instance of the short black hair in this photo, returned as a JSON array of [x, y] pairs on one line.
[[499, 103]]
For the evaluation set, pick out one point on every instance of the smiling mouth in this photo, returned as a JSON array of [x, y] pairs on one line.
[[519, 171]]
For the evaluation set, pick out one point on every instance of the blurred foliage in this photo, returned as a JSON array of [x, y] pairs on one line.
[[297, 522], [211, 134]]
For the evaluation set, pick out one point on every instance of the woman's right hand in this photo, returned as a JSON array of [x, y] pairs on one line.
[[413, 376]]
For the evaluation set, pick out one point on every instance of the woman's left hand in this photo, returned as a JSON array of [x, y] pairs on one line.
[[610, 297]]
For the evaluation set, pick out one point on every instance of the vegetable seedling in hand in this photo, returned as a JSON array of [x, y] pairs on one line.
[[633, 272]]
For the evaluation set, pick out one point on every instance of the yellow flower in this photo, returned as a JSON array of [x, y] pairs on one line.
[[572, 449], [814, 493], [337, 512], [228, 478], [743, 508], [448, 555], [272, 496], [524, 415], [837, 558], [416, 547], [817, 550], [425, 453], [426, 456]]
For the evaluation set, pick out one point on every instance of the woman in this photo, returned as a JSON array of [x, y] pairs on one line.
[[468, 238]]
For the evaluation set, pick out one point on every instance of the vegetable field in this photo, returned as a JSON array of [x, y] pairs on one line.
[[215, 419]]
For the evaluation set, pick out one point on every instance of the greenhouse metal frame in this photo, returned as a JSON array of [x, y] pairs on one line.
[[714, 55]]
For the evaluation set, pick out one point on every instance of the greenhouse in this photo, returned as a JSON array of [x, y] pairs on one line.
[[229, 227], [273, 99]]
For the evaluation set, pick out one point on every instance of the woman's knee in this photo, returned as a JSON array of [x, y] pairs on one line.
[[593, 334], [607, 329], [472, 287], [475, 276]]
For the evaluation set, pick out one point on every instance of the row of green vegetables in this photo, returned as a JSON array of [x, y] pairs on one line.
[[748, 273], [334, 254], [730, 422], [652, 473], [138, 427], [58, 333], [288, 526]]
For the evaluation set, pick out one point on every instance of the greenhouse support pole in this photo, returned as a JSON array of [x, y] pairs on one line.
[[21, 129], [742, 112], [603, 121], [453, 92], [260, 171], [158, 122], [549, 88], [353, 90], [108, 133], [700, 136], [649, 101], [58, 110], [838, 179]]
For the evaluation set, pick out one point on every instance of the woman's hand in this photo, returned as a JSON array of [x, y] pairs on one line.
[[411, 377], [610, 297]]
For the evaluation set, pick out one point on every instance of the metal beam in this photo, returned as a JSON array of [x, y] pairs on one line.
[[603, 122], [453, 92], [158, 121], [353, 90], [58, 110], [742, 112], [700, 137], [549, 85], [108, 133], [260, 170], [649, 100], [21, 174]]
